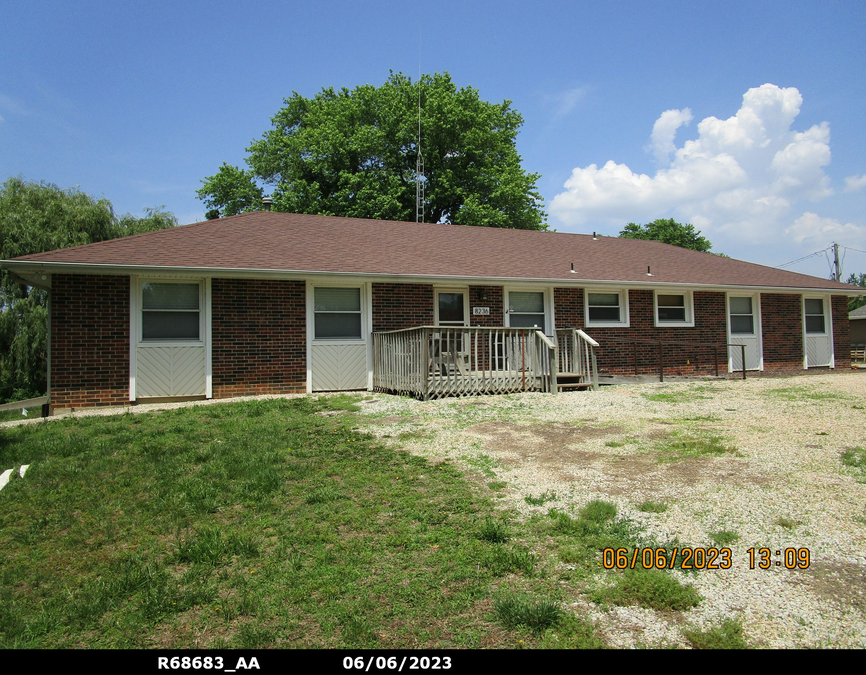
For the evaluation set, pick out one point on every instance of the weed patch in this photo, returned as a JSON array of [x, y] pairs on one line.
[[729, 635], [514, 610], [652, 507], [681, 446], [493, 531], [724, 537], [650, 588], [541, 499]]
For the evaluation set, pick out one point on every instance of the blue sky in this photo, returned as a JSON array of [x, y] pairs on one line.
[[744, 118]]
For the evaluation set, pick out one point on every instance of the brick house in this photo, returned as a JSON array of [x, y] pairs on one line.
[[270, 302]]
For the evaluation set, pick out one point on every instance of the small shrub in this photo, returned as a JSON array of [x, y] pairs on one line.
[[727, 636], [652, 507], [650, 588], [724, 537], [514, 610], [493, 531]]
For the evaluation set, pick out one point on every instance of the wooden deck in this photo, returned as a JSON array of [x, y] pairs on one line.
[[433, 361]]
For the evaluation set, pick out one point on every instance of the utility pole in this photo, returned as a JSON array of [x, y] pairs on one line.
[[837, 272]]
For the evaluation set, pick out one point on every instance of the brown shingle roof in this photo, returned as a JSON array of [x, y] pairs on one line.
[[271, 241]]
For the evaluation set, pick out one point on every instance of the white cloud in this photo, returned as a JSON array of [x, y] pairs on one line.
[[812, 229], [741, 178], [664, 131], [854, 183]]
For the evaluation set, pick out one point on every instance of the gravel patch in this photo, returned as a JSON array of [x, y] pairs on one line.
[[774, 477]]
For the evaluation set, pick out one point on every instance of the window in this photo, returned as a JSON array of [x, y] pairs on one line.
[[607, 309], [674, 309], [170, 311], [337, 313], [742, 316], [814, 311], [526, 309]]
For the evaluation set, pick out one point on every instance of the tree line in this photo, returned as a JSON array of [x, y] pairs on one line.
[[37, 217]]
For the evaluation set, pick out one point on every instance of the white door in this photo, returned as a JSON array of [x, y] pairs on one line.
[[338, 348], [170, 325], [448, 351], [744, 328], [818, 333]]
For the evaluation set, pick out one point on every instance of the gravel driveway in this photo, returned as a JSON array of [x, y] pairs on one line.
[[761, 459]]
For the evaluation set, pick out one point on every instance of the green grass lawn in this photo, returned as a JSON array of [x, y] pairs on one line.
[[268, 524]]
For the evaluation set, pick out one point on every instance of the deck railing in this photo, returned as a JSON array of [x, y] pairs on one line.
[[434, 361], [577, 354]]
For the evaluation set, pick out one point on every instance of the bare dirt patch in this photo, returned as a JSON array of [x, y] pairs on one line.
[[839, 583]]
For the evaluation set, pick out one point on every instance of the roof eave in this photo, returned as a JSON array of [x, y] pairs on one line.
[[36, 273]]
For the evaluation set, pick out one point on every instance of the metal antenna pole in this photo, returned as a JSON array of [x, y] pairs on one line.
[[419, 163]]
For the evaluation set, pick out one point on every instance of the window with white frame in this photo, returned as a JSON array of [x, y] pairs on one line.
[[337, 313], [170, 311], [742, 313], [606, 308], [673, 309], [526, 309], [814, 311]]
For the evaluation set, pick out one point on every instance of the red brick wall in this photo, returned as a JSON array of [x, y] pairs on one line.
[[616, 354], [486, 296], [398, 306], [782, 325], [89, 340], [841, 331], [568, 307], [259, 337]]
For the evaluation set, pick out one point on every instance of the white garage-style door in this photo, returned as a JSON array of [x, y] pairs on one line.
[[338, 321], [169, 328]]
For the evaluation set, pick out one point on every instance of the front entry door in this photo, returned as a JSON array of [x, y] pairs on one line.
[[818, 329], [744, 328], [452, 311]]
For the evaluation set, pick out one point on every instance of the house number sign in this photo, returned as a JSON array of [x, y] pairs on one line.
[[480, 310]]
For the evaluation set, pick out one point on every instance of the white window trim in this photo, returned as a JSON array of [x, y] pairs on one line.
[[451, 289], [135, 327], [548, 305], [828, 320], [201, 313], [624, 316], [688, 298]]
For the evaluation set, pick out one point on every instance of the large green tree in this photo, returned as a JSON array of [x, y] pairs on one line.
[[668, 231], [353, 153], [37, 217]]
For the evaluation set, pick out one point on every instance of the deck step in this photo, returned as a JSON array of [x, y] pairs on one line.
[[573, 385]]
